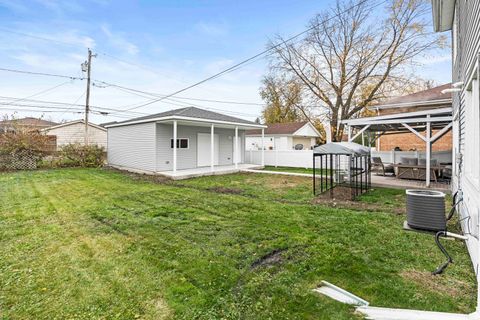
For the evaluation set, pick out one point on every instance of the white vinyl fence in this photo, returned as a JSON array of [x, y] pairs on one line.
[[281, 158], [304, 158]]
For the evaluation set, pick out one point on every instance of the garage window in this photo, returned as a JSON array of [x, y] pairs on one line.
[[181, 143]]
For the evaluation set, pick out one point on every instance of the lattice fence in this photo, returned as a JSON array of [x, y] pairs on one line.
[[19, 161]]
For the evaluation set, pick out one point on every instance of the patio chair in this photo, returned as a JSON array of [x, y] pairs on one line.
[[377, 163]]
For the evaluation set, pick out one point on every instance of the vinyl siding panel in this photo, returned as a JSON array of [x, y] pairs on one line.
[[467, 48], [187, 158], [75, 133], [132, 146]]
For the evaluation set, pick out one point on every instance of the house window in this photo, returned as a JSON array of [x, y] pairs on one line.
[[181, 143], [472, 132]]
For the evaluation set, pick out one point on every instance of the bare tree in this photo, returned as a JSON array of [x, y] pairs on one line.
[[350, 57]]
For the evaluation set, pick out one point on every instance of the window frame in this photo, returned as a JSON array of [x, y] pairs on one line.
[[472, 131], [179, 143]]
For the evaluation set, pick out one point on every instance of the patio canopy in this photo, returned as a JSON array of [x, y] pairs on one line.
[[342, 148], [420, 123]]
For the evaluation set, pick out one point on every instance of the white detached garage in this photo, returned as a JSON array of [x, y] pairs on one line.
[[180, 143]]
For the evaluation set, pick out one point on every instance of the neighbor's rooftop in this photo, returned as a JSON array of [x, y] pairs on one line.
[[279, 128], [429, 97]]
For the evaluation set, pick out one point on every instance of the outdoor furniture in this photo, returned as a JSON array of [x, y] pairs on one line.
[[377, 163], [299, 146], [417, 172]]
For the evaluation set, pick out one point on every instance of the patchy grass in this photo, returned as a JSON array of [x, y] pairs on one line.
[[289, 169], [97, 244]]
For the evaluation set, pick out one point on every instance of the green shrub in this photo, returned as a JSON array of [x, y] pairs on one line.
[[77, 155]]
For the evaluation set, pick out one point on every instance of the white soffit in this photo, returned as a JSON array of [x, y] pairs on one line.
[[443, 11]]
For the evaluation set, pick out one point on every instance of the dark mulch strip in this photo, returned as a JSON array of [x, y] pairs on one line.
[[356, 205], [141, 176]]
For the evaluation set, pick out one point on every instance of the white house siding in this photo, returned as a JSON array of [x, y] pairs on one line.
[[187, 158], [467, 47], [132, 147], [75, 133], [306, 131]]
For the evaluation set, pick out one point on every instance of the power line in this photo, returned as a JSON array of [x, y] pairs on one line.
[[71, 104], [41, 74], [39, 93], [157, 95], [37, 37], [235, 67]]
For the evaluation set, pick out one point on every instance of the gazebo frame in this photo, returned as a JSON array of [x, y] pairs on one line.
[[415, 122]]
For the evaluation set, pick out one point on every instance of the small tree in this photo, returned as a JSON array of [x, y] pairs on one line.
[[21, 146]]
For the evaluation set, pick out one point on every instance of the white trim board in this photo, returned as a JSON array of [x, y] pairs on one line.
[[376, 313]]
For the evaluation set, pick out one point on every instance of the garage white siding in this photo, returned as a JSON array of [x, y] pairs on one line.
[[133, 146], [187, 158]]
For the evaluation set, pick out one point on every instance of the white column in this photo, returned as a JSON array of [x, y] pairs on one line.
[[174, 146], [263, 147], [235, 148], [212, 147], [428, 151], [349, 133]]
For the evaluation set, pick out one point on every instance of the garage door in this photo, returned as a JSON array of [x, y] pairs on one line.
[[203, 149]]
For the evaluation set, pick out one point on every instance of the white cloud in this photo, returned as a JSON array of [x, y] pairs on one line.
[[119, 41], [212, 29], [435, 59]]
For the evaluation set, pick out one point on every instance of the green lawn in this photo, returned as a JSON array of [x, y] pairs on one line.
[[97, 244]]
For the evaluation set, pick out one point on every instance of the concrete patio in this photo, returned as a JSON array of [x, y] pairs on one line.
[[207, 171]]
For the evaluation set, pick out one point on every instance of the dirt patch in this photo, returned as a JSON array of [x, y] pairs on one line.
[[141, 176], [339, 193], [438, 283], [225, 190], [355, 205], [272, 258], [279, 181]]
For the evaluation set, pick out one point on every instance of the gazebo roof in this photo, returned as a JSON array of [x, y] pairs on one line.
[[342, 148], [395, 123]]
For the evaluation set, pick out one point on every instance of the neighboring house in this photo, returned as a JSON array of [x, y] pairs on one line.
[[177, 139], [462, 17], [28, 122], [74, 132], [424, 100], [283, 136]]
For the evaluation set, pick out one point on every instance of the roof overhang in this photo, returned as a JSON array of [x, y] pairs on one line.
[[438, 118], [191, 121], [438, 102], [73, 122], [443, 11], [311, 126]]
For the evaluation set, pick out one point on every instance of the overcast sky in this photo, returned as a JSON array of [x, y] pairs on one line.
[[155, 46]]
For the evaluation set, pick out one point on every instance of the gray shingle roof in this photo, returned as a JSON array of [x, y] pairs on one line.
[[192, 112]]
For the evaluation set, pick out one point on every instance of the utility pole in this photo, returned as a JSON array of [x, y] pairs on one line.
[[86, 67]]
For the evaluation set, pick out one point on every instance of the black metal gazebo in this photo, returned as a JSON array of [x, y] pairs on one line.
[[342, 168]]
